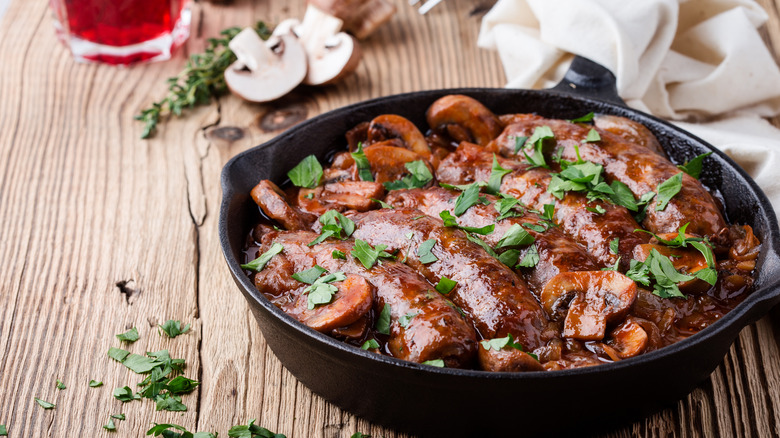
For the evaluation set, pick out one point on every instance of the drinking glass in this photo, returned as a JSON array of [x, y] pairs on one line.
[[122, 32]]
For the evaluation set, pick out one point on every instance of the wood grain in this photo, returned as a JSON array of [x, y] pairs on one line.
[[101, 231]]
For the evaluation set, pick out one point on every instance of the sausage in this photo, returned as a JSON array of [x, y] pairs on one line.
[[636, 166], [432, 328], [557, 252], [630, 131], [492, 297], [595, 231]]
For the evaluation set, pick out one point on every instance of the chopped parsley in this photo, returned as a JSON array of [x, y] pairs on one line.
[[708, 274], [467, 199], [117, 354], [333, 225], [45, 404], [614, 245], [129, 336], [307, 173], [497, 173], [583, 119], [363, 166], [360, 435], [406, 319], [419, 176], [95, 384], [614, 267], [450, 221], [383, 321], [60, 385], [445, 285], [435, 363], [509, 257], [530, 259], [370, 344], [549, 212], [309, 276], [424, 253], [337, 254], [592, 137], [110, 425], [320, 289], [508, 341], [259, 263], [118, 416], [173, 328], [693, 167], [367, 255], [383, 204], [126, 394], [536, 227], [3, 430], [515, 236], [252, 431], [505, 206], [540, 134], [163, 429], [597, 209], [519, 143], [667, 190]]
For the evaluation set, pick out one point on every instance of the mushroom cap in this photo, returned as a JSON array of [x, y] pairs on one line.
[[340, 56], [281, 67]]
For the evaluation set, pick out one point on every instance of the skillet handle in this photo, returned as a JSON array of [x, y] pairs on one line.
[[589, 79]]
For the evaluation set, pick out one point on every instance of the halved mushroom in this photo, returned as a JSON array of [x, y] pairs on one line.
[[594, 298], [389, 126], [388, 160], [272, 200], [361, 17], [686, 260], [331, 54], [628, 339], [464, 119], [265, 70]]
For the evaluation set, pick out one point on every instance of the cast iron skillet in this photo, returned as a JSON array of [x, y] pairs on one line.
[[431, 401]]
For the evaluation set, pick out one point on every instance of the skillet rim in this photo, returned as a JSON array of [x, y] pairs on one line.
[[757, 304]]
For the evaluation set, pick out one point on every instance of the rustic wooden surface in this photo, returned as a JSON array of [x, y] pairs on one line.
[[101, 231]]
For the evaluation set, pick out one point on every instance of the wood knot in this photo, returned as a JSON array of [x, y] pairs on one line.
[[283, 117], [226, 133]]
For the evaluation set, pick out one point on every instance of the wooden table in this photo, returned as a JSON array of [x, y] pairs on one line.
[[101, 231]]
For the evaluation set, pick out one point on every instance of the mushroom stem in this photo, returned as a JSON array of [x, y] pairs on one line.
[[316, 29], [251, 51]]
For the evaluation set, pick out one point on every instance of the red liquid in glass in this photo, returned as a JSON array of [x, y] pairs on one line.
[[121, 23]]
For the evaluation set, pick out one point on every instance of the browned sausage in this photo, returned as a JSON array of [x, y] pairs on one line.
[[557, 252], [630, 131], [432, 327]]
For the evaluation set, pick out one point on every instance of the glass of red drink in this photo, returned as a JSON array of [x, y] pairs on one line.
[[122, 32]]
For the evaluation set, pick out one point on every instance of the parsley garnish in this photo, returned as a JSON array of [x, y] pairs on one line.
[[259, 263], [118, 416], [337, 254], [3, 430], [540, 134], [95, 384], [643, 202], [117, 354], [162, 429], [708, 274], [509, 257], [530, 259], [309, 276], [334, 224], [370, 344], [536, 227], [60, 385], [667, 190], [519, 143], [307, 173], [515, 236], [505, 207], [110, 425], [597, 209], [419, 176], [614, 245], [450, 221], [694, 166], [592, 137], [482, 244], [360, 435], [45, 404], [383, 322], [497, 173], [614, 267], [424, 253], [435, 363], [367, 255], [383, 204], [252, 431], [126, 394], [583, 119], [622, 195], [549, 212], [406, 319], [500, 343], [363, 166], [129, 336], [173, 328], [445, 285], [467, 199], [320, 290]]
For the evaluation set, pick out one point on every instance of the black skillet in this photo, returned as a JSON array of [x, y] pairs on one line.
[[430, 401]]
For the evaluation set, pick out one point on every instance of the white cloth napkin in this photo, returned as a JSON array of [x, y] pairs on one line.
[[691, 60]]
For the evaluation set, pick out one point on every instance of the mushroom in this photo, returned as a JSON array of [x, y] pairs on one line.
[[265, 70], [595, 298], [628, 339], [463, 119], [331, 54], [388, 126], [361, 17], [272, 200]]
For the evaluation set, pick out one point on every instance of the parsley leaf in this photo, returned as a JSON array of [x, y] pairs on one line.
[[182, 385], [370, 344], [252, 431], [500, 343], [597, 209], [406, 319], [259, 263], [383, 204], [3, 430], [110, 425], [360, 435], [549, 212], [424, 253], [126, 394], [60, 385], [307, 173], [367, 255], [309, 276], [383, 322], [614, 245], [592, 137], [583, 119], [530, 259], [614, 267], [445, 285], [694, 166], [118, 416], [505, 207], [482, 244], [337, 254], [515, 236], [45, 404], [467, 199], [173, 328], [163, 429], [129, 336], [509, 257], [537, 139], [95, 384], [667, 190], [639, 272], [334, 224], [622, 195], [321, 291], [363, 166], [419, 176], [435, 363], [168, 402], [450, 221], [519, 143], [117, 354], [497, 173]]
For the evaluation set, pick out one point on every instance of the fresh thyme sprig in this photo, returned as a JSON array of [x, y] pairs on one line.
[[202, 78]]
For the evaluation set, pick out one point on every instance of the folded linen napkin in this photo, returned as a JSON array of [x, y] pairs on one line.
[[691, 60]]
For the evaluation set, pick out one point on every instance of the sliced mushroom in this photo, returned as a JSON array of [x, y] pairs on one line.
[[595, 298], [686, 260], [272, 200], [628, 339], [354, 195], [361, 17], [464, 119], [265, 70], [388, 126], [388, 160], [331, 54]]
